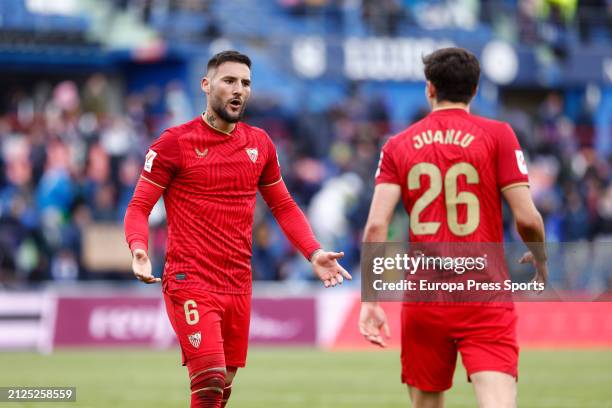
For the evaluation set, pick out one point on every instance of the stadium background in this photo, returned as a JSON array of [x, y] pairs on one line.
[[87, 85]]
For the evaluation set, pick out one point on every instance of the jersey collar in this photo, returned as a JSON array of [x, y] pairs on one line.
[[450, 111]]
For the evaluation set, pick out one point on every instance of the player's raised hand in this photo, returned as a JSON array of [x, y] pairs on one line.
[[373, 324], [541, 275], [141, 266], [326, 267]]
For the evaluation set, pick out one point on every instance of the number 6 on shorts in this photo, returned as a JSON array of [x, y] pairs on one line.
[[191, 312]]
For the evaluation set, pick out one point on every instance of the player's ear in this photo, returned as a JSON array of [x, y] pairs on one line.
[[205, 85], [430, 90]]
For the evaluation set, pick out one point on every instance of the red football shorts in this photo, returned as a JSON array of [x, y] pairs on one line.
[[432, 336], [209, 324]]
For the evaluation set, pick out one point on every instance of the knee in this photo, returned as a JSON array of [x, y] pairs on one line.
[[230, 374], [426, 399], [227, 390]]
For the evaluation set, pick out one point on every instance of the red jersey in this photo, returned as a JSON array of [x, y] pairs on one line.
[[210, 182], [452, 167]]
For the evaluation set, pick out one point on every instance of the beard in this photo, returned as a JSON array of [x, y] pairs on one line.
[[221, 111]]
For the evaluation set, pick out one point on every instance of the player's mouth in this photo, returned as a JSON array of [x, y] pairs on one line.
[[235, 104]]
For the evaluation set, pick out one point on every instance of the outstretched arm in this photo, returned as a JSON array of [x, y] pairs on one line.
[[136, 224], [298, 231]]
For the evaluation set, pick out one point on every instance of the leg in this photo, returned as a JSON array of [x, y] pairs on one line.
[[490, 355], [196, 319], [494, 389], [227, 390], [426, 399], [236, 337], [428, 355]]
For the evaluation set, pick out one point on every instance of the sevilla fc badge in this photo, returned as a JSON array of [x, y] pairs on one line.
[[252, 152], [195, 339]]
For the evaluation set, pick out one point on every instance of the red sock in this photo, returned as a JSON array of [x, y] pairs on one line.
[[207, 389], [207, 376]]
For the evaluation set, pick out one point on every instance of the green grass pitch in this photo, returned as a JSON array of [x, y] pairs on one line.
[[296, 378]]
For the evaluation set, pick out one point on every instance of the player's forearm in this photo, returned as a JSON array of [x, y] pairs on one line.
[[136, 229], [529, 223], [531, 230], [291, 219], [295, 226], [136, 221], [375, 232]]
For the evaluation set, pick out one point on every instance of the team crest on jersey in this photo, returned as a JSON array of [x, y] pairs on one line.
[[252, 153], [149, 160], [195, 339]]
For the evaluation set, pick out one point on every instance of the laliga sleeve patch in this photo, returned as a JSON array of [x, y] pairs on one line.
[[149, 160], [520, 161], [379, 164]]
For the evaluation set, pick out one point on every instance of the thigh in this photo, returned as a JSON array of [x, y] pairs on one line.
[[494, 389], [486, 339], [428, 355], [196, 319], [235, 327]]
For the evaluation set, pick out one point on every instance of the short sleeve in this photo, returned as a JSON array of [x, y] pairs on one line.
[[271, 173], [387, 171], [162, 160], [511, 166]]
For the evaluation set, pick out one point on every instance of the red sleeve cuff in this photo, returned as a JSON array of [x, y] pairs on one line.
[[311, 252], [134, 245]]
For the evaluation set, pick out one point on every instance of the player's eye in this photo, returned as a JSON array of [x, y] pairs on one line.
[[246, 83], [229, 81]]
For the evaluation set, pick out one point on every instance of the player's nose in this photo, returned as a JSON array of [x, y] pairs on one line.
[[238, 89]]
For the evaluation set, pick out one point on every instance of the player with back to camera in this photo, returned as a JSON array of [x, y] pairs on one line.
[[428, 174], [209, 171]]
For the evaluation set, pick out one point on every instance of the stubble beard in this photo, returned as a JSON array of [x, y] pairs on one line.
[[219, 109]]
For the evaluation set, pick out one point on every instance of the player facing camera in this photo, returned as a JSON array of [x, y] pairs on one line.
[[209, 171]]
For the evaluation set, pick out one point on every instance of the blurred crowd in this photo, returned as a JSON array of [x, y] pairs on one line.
[[544, 22], [71, 151], [68, 161], [529, 21]]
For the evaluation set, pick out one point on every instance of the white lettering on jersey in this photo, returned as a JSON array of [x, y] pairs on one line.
[[149, 160], [520, 161]]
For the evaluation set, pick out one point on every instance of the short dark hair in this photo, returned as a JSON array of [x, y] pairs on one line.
[[227, 56], [454, 72]]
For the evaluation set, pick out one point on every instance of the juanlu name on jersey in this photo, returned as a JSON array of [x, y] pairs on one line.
[[448, 137]]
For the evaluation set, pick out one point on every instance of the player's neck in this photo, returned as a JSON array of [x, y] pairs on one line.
[[217, 123], [443, 105]]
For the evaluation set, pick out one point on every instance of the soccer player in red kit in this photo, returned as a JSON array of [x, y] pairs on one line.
[[451, 170], [209, 171]]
